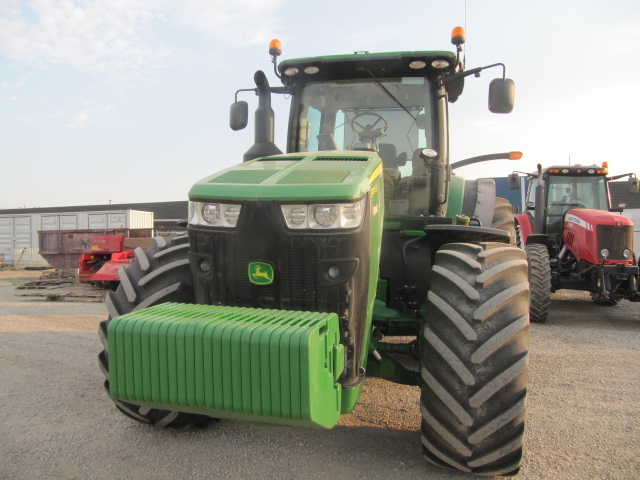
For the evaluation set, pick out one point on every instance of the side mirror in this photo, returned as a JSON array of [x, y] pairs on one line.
[[514, 181], [634, 187], [239, 115], [502, 93]]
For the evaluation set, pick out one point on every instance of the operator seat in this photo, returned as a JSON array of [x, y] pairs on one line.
[[387, 152]]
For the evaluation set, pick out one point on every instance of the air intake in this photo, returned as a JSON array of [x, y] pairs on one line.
[[341, 159]]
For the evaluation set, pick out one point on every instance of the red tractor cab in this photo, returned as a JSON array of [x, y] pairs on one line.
[[574, 238]]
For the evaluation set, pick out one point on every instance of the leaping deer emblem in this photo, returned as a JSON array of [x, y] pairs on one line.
[[258, 274]]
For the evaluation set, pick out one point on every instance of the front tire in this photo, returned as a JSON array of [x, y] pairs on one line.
[[539, 282], [158, 275], [475, 358]]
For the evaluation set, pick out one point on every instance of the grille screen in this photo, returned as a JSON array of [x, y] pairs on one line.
[[616, 239], [297, 258]]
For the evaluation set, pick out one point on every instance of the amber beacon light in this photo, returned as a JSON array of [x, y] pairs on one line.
[[275, 48], [458, 36]]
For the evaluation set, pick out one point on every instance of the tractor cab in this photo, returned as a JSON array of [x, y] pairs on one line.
[[370, 103], [568, 187]]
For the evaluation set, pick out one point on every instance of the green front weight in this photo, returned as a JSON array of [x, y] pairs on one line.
[[267, 366]]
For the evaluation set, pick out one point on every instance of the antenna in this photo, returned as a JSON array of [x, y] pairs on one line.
[[464, 54]]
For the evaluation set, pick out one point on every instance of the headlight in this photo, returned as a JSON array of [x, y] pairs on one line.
[[626, 253], [324, 215], [214, 214], [604, 253]]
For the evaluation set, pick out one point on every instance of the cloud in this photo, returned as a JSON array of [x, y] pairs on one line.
[[123, 37], [10, 85], [87, 116], [242, 22]]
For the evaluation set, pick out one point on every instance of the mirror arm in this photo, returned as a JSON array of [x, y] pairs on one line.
[[474, 71], [280, 90], [254, 90], [620, 176]]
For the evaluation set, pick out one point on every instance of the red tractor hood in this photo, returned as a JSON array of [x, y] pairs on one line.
[[588, 218], [587, 231]]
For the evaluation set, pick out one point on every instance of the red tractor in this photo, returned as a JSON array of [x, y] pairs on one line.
[[574, 239]]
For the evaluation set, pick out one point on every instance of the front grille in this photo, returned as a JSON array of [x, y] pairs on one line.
[[296, 259], [301, 259], [615, 239]]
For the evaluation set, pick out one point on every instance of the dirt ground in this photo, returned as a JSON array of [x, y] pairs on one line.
[[56, 422]]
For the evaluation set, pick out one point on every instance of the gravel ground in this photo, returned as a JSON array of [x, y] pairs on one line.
[[56, 422]]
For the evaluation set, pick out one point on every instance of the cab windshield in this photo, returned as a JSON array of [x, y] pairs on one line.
[[567, 192], [393, 116]]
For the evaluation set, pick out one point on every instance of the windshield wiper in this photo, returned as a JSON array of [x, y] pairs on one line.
[[391, 95]]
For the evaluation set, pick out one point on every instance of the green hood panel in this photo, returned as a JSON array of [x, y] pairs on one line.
[[331, 175]]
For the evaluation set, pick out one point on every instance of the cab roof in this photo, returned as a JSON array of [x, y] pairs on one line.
[[388, 64], [571, 170]]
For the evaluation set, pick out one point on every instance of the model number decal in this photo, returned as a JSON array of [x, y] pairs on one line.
[[578, 221]]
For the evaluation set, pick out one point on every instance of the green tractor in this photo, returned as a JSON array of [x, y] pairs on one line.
[[357, 253]]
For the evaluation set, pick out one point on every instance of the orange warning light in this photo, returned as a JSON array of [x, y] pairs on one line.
[[605, 164], [275, 48], [515, 155], [458, 36]]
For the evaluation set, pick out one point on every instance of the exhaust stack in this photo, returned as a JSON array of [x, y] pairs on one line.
[[264, 118]]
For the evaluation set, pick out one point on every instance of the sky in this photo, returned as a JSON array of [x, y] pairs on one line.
[[126, 101]]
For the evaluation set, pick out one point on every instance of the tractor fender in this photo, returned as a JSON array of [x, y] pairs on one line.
[[439, 235], [524, 228]]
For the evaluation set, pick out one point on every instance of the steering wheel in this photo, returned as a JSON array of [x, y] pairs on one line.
[[369, 131], [573, 203]]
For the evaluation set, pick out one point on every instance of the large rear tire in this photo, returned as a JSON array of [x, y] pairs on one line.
[[503, 218], [475, 358], [539, 282], [160, 274]]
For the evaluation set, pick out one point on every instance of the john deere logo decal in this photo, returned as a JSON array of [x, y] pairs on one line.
[[260, 273]]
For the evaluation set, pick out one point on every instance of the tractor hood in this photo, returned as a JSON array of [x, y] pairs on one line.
[[589, 218], [588, 232], [334, 175]]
